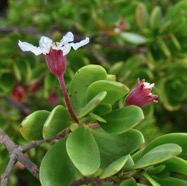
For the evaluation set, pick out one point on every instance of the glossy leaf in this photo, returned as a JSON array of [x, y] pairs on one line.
[[58, 120], [83, 78], [94, 102], [177, 164], [111, 147], [115, 90], [83, 151], [171, 181], [56, 167], [114, 167], [103, 108], [151, 180], [129, 182], [157, 155], [97, 118], [123, 119], [32, 126], [177, 138]]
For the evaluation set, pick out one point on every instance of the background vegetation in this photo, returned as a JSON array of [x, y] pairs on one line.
[[131, 39]]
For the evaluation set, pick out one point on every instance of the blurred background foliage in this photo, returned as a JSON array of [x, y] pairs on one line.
[[131, 39]]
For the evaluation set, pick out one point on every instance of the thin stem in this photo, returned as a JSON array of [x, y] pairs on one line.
[[66, 97]]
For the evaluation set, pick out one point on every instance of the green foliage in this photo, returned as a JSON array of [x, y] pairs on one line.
[[112, 144]]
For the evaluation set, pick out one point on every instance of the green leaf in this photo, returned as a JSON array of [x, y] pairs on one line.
[[114, 167], [142, 16], [83, 151], [151, 180], [129, 182], [156, 18], [176, 164], [31, 127], [83, 78], [133, 38], [171, 181], [6, 81], [94, 102], [58, 120], [115, 90], [56, 167], [97, 118], [111, 147], [123, 119], [103, 108], [157, 155], [177, 138]]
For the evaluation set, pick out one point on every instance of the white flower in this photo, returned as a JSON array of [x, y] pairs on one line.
[[45, 44]]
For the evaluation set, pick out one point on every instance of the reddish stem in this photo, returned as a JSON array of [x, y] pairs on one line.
[[66, 97]]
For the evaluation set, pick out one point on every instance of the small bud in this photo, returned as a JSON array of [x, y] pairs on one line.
[[141, 95], [18, 93]]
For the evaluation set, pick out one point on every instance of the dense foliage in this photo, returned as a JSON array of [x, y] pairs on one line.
[[128, 40]]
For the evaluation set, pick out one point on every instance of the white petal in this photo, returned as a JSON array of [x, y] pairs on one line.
[[66, 49], [148, 85], [69, 37], [28, 47], [45, 44], [80, 44]]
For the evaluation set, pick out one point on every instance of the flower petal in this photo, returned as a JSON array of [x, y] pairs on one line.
[[80, 44], [66, 49], [28, 47], [45, 44], [69, 37]]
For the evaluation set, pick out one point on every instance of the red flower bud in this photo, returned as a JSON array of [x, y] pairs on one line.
[[18, 93], [141, 95]]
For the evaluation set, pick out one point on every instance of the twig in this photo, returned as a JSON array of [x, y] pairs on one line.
[[15, 155], [40, 142], [134, 49], [19, 106], [99, 57]]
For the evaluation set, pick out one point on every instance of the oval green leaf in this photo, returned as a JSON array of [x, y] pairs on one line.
[[157, 155], [114, 167], [92, 104], [58, 120], [83, 151], [115, 90], [129, 182], [123, 119], [56, 167], [171, 181], [177, 164], [83, 78], [177, 138], [32, 126], [111, 147]]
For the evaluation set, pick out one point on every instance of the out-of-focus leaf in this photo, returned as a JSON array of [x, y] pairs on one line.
[[32, 126], [133, 38]]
